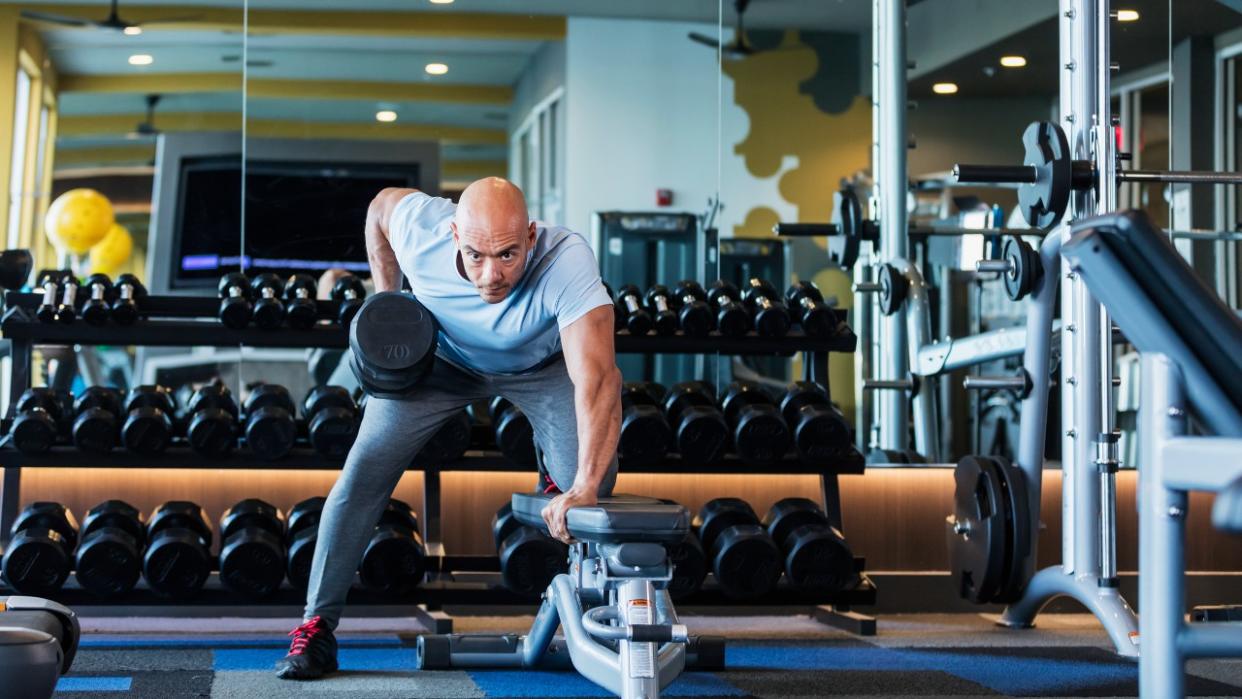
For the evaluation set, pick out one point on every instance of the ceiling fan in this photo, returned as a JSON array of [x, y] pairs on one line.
[[146, 127], [112, 22], [737, 48]]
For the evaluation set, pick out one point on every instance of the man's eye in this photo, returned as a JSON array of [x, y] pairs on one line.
[[474, 256], [506, 256]]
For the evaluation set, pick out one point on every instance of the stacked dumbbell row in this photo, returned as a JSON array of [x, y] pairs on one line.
[[270, 302], [747, 420], [171, 549], [97, 300], [696, 311], [147, 420]]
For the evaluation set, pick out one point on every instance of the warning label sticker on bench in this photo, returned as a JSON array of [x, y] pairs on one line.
[[642, 655]]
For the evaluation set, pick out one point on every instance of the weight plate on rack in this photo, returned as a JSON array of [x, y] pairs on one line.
[[893, 289], [1024, 267], [976, 530], [1047, 150], [847, 215], [1018, 565]]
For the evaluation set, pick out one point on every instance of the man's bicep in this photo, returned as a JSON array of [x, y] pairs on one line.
[[588, 343]]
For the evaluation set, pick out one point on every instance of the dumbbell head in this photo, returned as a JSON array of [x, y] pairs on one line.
[[180, 514], [449, 443], [645, 433], [234, 290], [305, 515], [251, 552], [148, 424], [771, 316], [15, 267], [629, 306], [268, 310], [95, 309], [788, 514], [302, 535], [109, 559], [700, 432], [394, 560], [48, 515], [300, 309], [331, 420], [740, 394], [693, 312], [689, 567], [504, 523], [818, 558], [807, 305], [129, 290], [515, 437], [665, 320], [393, 339], [529, 560], [38, 557], [97, 427], [213, 416], [270, 429], [819, 430], [177, 561], [746, 561], [731, 318], [719, 514], [39, 413], [350, 293]]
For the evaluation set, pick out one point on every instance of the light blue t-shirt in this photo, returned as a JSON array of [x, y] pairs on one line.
[[560, 285]]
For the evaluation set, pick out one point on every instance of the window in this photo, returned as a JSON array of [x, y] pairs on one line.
[[536, 164], [17, 168]]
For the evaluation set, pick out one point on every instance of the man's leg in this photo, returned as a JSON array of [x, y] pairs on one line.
[[547, 398]]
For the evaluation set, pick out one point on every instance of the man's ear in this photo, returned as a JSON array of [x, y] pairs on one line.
[[533, 228], [453, 227]]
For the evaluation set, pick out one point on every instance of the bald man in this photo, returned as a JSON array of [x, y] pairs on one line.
[[523, 315]]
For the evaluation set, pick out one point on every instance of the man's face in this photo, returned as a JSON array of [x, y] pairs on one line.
[[494, 258]]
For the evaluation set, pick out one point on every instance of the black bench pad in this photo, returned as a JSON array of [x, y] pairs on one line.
[[614, 520]]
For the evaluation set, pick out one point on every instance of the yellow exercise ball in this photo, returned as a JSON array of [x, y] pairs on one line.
[[109, 254], [79, 219]]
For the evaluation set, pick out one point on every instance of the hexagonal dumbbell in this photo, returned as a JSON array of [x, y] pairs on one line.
[[300, 309], [771, 316], [514, 435], [67, 311], [178, 557], [331, 420], [235, 308], [40, 549], [759, 434], [645, 432], [700, 433], [269, 426], [732, 318], [742, 555], [808, 308], [252, 552], [39, 421], [529, 559], [148, 427], [109, 558], [97, 421], [350, 292], [394, 561], [97, 307], [49, 284], [269, 312], [694, 315], [449, 443], [212, 415], [129, 291], [820, 431], [816, 555], [660, 306], [301, 535], [630, 307]]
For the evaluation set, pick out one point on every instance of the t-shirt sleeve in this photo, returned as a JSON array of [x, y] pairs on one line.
[[579, 288], [416, 215]]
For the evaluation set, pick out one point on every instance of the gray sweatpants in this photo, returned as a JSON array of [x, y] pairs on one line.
[[393, 431]]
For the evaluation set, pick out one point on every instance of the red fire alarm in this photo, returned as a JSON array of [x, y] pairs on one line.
[[664, 197]]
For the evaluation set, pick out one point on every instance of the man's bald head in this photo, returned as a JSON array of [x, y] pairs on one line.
[[494, 235]]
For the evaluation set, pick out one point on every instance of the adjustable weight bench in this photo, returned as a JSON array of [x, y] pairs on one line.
[[38, 639], [1191, 347], [620, 629]]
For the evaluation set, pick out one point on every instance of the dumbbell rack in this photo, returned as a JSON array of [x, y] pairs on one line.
[[179, 321]]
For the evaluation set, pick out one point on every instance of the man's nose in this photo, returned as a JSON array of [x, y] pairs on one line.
[[491, 272]]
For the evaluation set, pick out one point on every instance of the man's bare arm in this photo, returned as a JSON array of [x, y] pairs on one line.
[[384, 269]]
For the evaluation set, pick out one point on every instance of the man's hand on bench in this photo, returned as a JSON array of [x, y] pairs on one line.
[[555, 512]]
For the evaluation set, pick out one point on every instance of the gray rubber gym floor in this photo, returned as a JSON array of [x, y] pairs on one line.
[[768, 657]]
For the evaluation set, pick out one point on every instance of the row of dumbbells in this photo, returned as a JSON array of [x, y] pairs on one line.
[[696, 311], [146, 420], [63, 300], [270, 302], [747, 556], [746, 420], [171, 550]]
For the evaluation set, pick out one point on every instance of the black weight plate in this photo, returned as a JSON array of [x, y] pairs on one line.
[[761, 436], [689, 567], [1024, 268], [844, 247], [645, 435], [301, 555], [977, 552], [176, 563], [894, 288], [1047, 150], [701, 435], [252, 562], [36, 562], [1019, 566], [108, 562], [818, 558], [394, 561], [529, 560], [746, 562], [393, 332]]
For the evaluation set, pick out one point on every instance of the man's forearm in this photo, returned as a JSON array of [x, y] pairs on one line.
[[597, 402], [385, 271]]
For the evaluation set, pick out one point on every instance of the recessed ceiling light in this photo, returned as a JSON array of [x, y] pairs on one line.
[[386, 115], [436, 69], [1013, 61], [944, 88], [1127, 15], [141, 59], [441, 2], [132, 30]]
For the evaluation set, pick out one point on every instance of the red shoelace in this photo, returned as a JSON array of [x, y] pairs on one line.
[[303, 634]]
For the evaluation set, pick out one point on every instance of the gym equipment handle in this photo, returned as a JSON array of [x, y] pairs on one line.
[[806, 230], [995, 174], [983, 383], [1180, 176]]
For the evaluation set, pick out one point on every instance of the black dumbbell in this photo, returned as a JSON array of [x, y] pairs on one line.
[[331, 420], [40, 414], [302, 534], [252, 552], [300, 309], [731, 316], [212, 415], [645, 433], [816, 554], [15, 266], [97, 425], [807, 306], [95, 310], [349, 292], [771, 316], [514, 435], [270, 429], [109, 559], [178, 558], [128, 292], [689, 567], [659, 301], [449, 443], [235, 309], [700, 433], [693, 313], [40, 551], [48, 283], [743, 557], [760, 436], [67, 311], [819, 429], [266, 289], [630, 308], [394, 561], [529, 559], [148, 427]]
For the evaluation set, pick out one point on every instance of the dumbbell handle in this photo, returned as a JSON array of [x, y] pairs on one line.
[[49, 293], [661, 303], [97, 292], [688, 299], [995, 174], [268, 292], [71, 294], [867, 288], [808, 303], [127, 292], [723, 300], [806, 230], [985, 383], [236, 292], [631, 303], [301, 293]]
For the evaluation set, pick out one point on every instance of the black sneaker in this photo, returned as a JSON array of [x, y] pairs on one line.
[[312, 653]]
